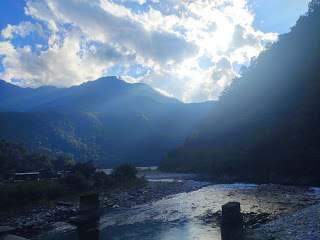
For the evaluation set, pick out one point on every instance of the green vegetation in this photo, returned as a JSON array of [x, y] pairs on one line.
[[82, 177], [108, 121], [266, 124], [15, 157], [124, 177], [26, 193]]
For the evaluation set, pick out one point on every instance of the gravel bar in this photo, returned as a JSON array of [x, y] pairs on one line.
[[301, 225]]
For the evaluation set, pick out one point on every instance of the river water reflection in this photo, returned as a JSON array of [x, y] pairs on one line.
[[181, 216]]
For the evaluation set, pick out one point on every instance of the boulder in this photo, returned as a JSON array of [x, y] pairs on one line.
[[13, 237], [6, 229]]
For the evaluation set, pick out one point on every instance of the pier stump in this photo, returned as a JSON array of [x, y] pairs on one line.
[[89, 203], [89, 209], [231, 213], [231, 222]]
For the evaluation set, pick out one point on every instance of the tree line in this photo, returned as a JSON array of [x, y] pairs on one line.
[[266, 123]]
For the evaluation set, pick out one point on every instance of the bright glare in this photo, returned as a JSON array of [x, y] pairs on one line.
[[223, 36]]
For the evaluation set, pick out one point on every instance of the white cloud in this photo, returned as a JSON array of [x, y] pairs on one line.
[[61, 66], [23, 29], [163, 92], [85, 39], [137, 1]]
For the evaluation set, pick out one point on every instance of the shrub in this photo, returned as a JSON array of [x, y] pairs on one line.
[[124, 172], [124, 177], [25, 193], [87, 169], [100, 179], [76, 182]]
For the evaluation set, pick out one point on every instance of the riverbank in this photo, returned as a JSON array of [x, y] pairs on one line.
[[301, 225], [30, 220], [260, 203], [160, 185]]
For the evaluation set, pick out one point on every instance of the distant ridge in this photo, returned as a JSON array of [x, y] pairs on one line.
[[48, 98], [106, 120]]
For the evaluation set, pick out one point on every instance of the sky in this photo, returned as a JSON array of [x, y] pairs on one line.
[[186, 49]]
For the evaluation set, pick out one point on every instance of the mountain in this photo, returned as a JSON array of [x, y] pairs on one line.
[[107, 120], [99, 95], [15, 98], [265, 126]]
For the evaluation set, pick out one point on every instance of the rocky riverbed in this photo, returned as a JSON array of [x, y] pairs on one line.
[[301, 225], [261, 204], [159, 186], [25, 222]]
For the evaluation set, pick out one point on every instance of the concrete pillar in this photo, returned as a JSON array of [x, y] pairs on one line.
[[231, 232], [231, 222], [231, 213], [89, 209], [89, 203]]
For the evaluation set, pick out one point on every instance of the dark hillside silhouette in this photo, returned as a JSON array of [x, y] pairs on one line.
[[266, 123]]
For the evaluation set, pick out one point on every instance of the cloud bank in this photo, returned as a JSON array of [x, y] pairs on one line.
[[186, 49]]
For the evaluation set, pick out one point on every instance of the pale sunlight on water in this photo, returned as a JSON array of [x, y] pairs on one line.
[[181, 216]]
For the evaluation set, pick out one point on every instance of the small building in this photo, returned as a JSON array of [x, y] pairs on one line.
[[63, 173], [28, 176]]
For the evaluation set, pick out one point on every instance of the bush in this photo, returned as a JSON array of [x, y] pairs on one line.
[[86, 169], [76, 182], [101, 179], [124, 177], [124, 172], [25, 193]]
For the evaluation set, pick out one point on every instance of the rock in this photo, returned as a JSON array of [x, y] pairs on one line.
[[6, 229], [115, 206], [13, 237], [42, 215], [64, 210], [30, 224], [256, 225], [41, 221], [273, 230], [126, 195], [61, 203]]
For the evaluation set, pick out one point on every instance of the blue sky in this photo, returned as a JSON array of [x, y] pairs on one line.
[[187, 49]]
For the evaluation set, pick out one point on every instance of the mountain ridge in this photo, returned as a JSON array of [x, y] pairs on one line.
[[28, 99], [107, 120]]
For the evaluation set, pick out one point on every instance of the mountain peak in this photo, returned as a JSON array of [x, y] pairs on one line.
[[109, 79], [104, 81]]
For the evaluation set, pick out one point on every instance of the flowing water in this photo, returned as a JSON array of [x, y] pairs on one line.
[[182, 216]]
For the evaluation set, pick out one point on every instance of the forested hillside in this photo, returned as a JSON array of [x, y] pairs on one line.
[[15, 157], [107, 120], [266, 123]]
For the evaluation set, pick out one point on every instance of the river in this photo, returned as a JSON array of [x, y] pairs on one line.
[[186, 215]]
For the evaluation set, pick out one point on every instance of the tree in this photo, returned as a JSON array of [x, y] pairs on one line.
[[86, 169], [267, 120], [124, 172], [63, 161]]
